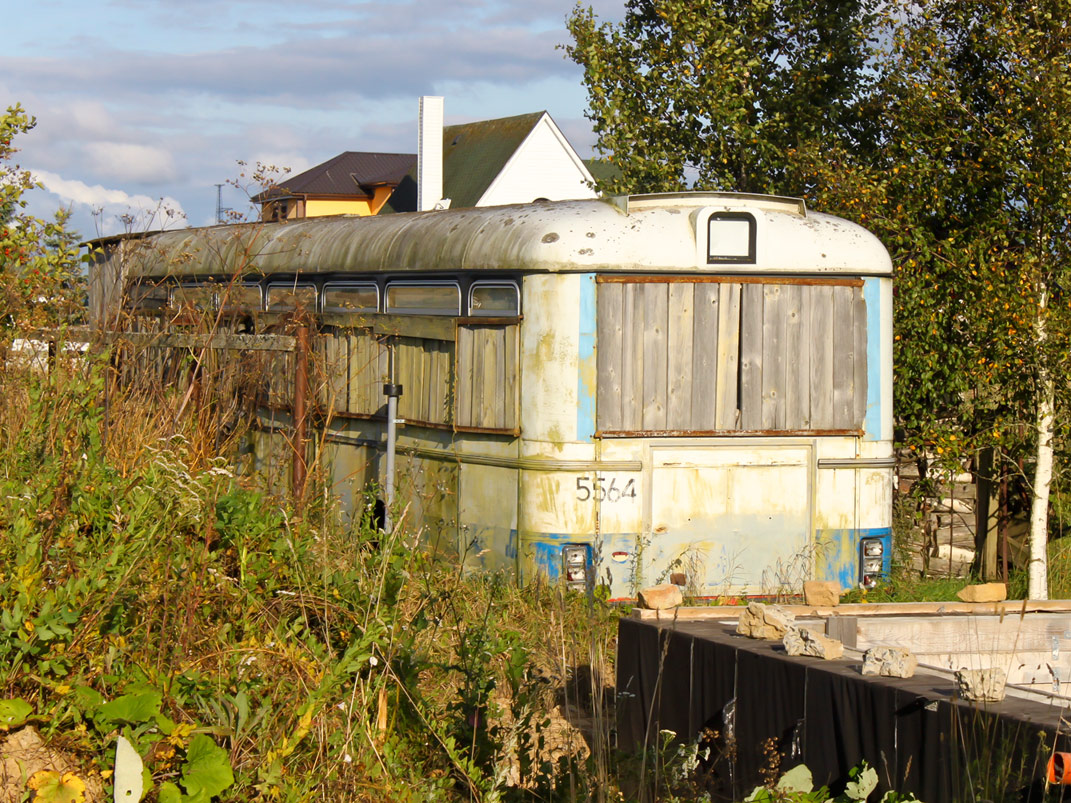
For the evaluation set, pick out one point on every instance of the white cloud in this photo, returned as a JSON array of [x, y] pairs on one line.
[[129, 162], [115, 210]]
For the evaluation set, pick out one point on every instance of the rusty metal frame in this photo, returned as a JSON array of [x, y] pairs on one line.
[[695, 279], [727, 433]]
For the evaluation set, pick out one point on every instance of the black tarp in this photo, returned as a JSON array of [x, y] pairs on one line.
[[684, 676]]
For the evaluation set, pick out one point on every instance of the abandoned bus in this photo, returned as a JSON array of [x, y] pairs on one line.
[[692, 388]]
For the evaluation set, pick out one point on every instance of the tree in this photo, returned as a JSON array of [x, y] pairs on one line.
[[723, 94], [969, 190], [954, 145], [979, 146], [40, 276]]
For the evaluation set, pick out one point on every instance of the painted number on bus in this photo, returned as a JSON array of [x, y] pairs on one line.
[[609, 489]]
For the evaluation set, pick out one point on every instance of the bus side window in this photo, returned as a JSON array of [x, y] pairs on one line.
[[287, 297], [494, 299], [423, 298], [363, 297], [198, 297], [142, 297], [239, 298]]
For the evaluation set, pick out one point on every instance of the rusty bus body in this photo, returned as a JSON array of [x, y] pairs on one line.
[[691, 387]]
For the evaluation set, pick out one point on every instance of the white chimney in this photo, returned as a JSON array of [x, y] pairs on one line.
[[430, 153]]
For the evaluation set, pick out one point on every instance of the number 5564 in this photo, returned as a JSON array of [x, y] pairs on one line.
[[604, 489]]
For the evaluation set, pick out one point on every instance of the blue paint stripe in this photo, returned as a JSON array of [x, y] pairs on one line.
[[585, 394], [872, 299]]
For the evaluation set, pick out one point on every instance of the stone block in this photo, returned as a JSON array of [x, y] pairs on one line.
[[804, 641], [984, 592], [981, 685], [821, 593], [661, 597], [889, 662], [764, 621]]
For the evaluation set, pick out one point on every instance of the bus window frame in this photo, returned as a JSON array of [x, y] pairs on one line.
[[444, 313], [751, 257], [494, 283], [212, 289], [329, 286], [292, 287]]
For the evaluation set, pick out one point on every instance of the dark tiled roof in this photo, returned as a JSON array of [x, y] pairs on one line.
[[350, 174], [473, 155]]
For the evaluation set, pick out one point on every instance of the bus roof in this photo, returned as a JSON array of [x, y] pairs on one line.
[[649, 233]]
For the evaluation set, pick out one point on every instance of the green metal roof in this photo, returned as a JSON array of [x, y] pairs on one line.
[[473, 156]]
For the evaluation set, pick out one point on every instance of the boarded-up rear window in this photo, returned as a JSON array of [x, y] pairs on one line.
[[730, 355]]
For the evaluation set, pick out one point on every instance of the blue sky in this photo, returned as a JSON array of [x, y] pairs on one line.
[[143, 101]]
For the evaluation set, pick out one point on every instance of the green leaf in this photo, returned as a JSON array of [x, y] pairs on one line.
[[14, 712], [797, 779], [132, 709], [207, 771], [864, 781], [169, 793]]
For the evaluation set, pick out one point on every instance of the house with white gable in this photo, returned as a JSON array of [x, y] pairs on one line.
[[510, 160]]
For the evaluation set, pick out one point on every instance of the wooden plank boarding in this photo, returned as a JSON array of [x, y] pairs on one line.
[[773, 358], [797, 359], [843, 336], [463, 386], [609, 301], [654, 338], [751, 357], [705, 342], [631, 358], [511, 392], [859, 384], [728, 351], [680, 342], [821, 305]]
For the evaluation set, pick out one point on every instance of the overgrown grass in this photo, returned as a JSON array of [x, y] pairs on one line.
[[148, 590]]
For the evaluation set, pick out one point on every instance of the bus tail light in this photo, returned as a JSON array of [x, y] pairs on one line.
[[871, 561], [576, 566]]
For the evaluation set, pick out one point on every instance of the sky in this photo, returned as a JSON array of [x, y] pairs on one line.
[[144, 106]]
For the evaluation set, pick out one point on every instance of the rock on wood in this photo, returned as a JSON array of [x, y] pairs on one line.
[[821, 593], [661, 597], [981, 685], [984, 592], [890, 662], [764, 621], [803, 641]]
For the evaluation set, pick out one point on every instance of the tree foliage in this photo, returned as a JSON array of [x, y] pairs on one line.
[[944, 127], [722, 93], [40, 277]]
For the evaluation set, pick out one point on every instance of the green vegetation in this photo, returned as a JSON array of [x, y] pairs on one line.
[[249, 654], [944, 127]]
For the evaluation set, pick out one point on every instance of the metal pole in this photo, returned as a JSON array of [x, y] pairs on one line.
[[392, 391], [301, 382]]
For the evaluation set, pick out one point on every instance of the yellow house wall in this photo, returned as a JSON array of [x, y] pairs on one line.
[[380, 197], [315, 208]]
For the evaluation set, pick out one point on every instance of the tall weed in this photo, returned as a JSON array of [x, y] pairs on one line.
[[149, 590]]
